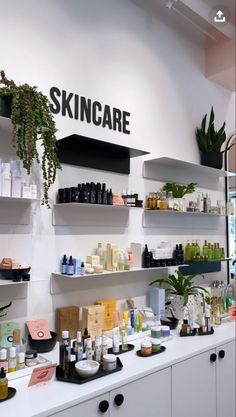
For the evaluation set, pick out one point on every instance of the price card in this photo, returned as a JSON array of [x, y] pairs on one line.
[[42, 374]]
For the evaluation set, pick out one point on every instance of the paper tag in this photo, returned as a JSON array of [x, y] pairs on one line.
[[42, 374], [38, 329]]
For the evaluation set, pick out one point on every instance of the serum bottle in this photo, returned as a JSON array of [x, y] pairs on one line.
[[3, 385]]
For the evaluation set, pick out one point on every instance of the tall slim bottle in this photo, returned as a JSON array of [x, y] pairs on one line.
[[64, 359]]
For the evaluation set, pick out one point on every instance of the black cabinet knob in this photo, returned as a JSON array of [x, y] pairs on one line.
[[213, 357], [221, 354], [119, 399], [103, 406]]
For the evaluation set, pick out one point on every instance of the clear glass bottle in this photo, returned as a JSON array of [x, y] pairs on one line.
[[3, 385], [170, 200], [163, 202], [79, 347], [89, 350], [124, 344]]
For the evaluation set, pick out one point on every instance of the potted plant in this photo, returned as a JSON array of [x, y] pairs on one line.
[[182, 290], [178, 192], [210, 142], [32, 121]]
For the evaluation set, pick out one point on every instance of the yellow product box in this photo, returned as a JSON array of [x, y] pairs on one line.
[[110, 308], [93, 319]]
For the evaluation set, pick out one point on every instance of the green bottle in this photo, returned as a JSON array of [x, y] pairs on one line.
[[205, 249], [222, 253], [197, 248], [188, 252], [210, 254]]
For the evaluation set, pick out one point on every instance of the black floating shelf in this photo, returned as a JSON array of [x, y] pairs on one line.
[[92, 153], [201, 267]]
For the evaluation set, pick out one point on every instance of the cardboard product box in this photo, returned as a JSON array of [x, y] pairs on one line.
[[110, 308], [67, 318], [6, 333], [93, 319]]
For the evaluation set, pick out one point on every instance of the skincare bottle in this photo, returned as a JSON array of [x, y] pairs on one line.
[[33, 191], [129, 328], [104, 346], [126, 262], [82, 269], [3, 359], [188, 252], [98, 350], [110, 197], [124, 345], [88, 350], [146, 257], [15, 179], [12, 359], [104, 194], [70, 266], [3, 385], [20, 360], [115, 340], [92, 193], [26, 190], [121, 264], [64, 354], [6, 180], [98, 194], [64, 265], [85, 337], [185, 327], [205, 249], [79, 348], [16, 340]]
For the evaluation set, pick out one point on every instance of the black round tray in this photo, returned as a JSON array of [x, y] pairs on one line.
[[130, 347], [193, 333], [11, 393], [200, 333], [163, 348]]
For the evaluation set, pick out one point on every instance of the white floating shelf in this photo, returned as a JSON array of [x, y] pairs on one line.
[[15, 211], [12, 290], [82, 214], [169, 170], [61, 283], [182, 213]]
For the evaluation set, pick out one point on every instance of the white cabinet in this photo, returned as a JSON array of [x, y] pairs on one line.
[[88, 408], [149, 396], [225, 379], [205, 384]]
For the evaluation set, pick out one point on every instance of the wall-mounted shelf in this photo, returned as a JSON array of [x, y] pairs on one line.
[[91, 153], [61, 283], [169, 170], [15, 210], [181, 220], [82, 214], [12, 290], [201, 267]]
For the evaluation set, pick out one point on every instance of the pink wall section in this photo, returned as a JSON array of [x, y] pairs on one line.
[[220, 63]]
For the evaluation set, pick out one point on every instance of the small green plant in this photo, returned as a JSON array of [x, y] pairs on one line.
[[179, 190], [210, 140], [32, 121], [180, 285]]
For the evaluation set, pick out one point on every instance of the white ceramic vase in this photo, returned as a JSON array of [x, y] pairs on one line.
[[180, 311]]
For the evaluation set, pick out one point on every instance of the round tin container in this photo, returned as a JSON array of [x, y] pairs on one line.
[[31, 357], [156, 346], [165, 331], [146, 347], [109, 362], [156, 332]]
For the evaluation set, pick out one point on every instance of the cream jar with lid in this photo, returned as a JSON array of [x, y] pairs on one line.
[[165, 330], [146, 347], [156, 346], [109, 362]]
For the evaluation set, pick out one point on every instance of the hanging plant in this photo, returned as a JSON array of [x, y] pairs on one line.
[[32, 121]]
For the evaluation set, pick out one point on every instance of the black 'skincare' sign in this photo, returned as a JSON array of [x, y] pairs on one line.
[[84, 109]]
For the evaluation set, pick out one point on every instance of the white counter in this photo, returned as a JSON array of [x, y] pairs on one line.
[[39, 401]]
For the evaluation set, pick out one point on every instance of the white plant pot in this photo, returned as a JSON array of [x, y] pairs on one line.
[[180, 311]]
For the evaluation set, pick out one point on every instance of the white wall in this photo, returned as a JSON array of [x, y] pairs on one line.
[[111, 51]]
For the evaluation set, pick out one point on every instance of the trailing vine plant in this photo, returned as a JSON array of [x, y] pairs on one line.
[[32, 121]]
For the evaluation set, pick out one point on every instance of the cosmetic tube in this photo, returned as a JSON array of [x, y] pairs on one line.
[[115, 340]]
